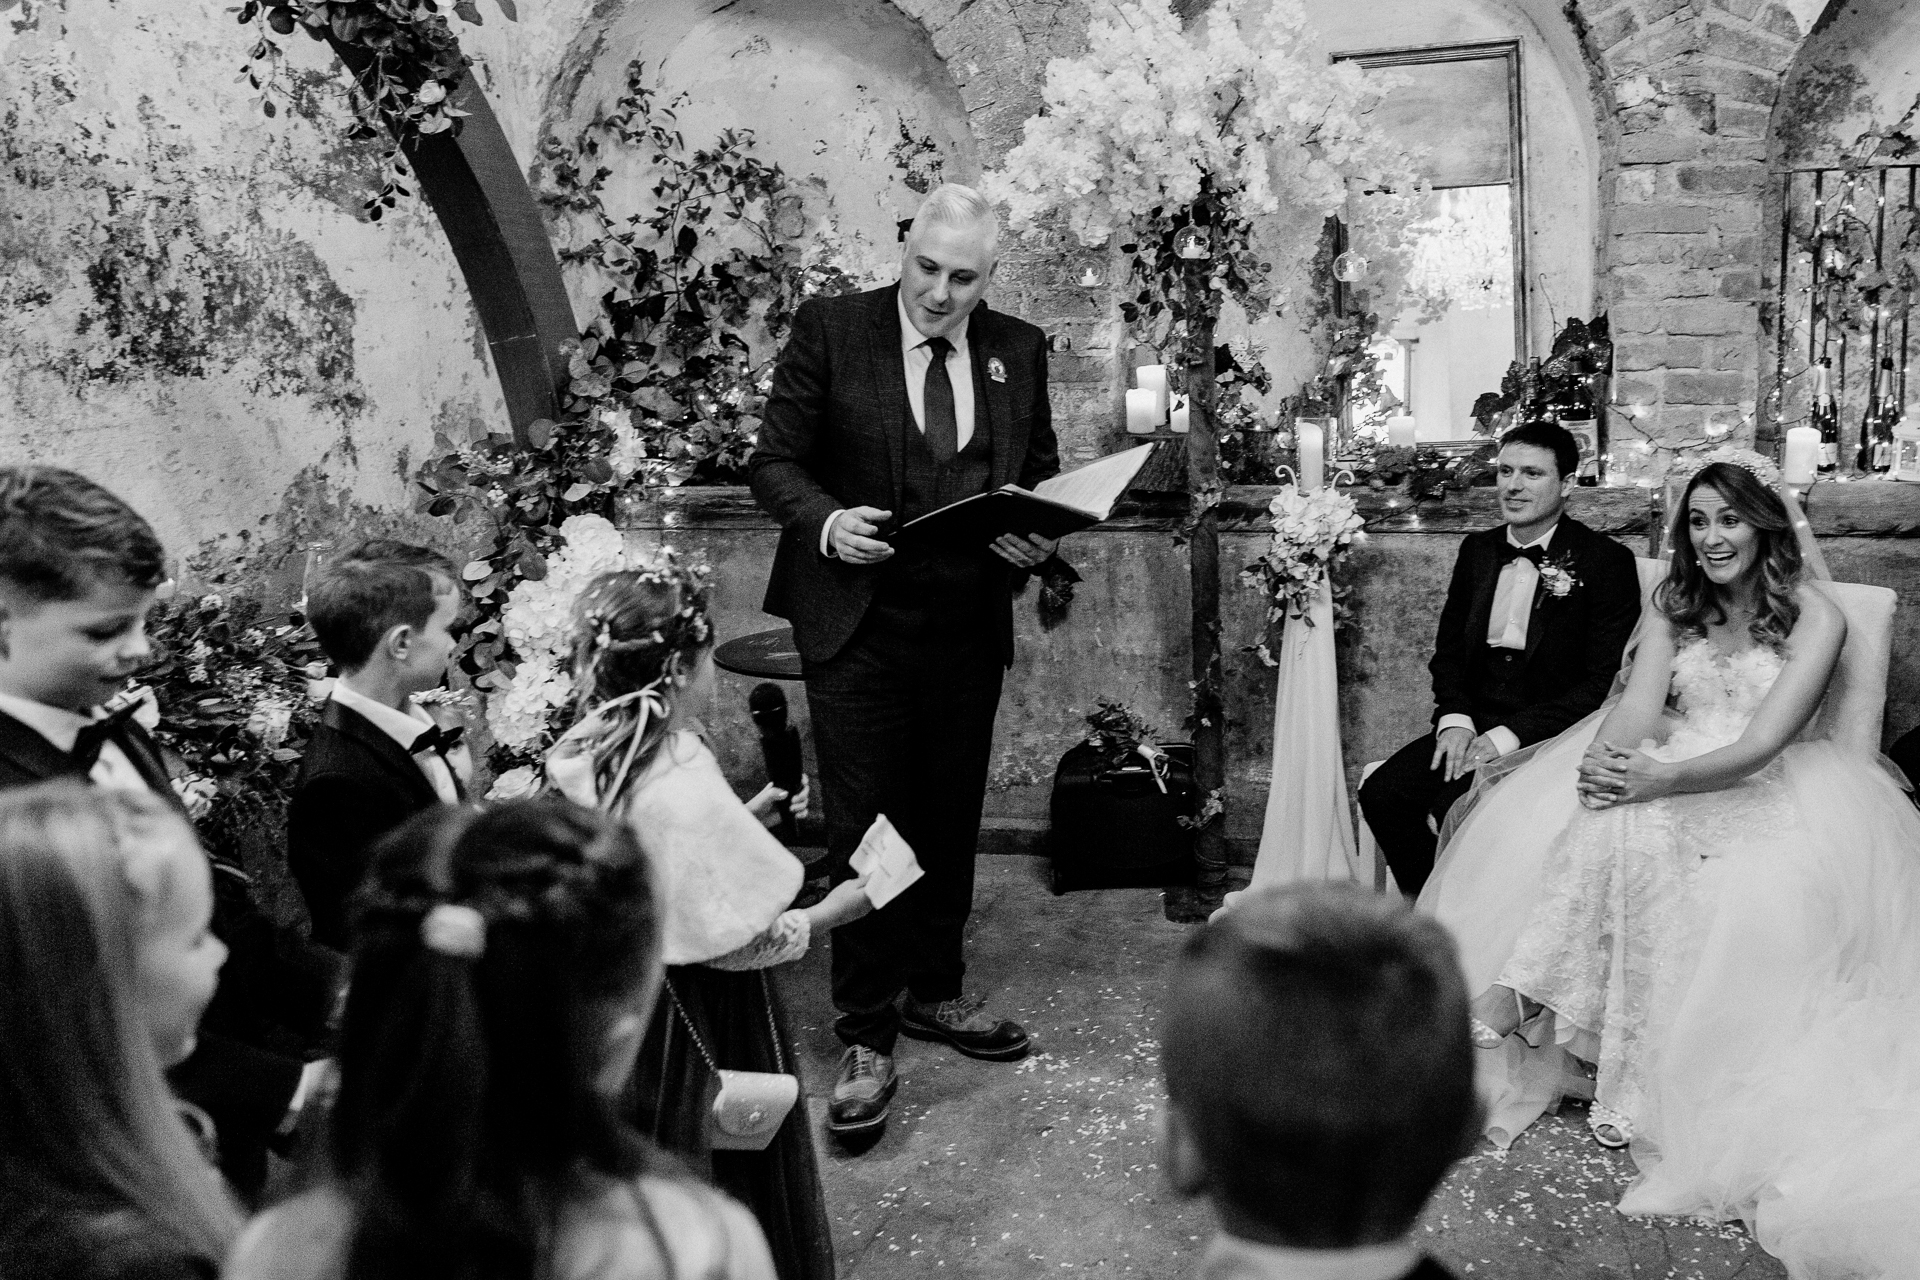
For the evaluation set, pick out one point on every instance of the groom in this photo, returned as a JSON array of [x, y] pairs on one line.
[[888, 405], [1536, 618]]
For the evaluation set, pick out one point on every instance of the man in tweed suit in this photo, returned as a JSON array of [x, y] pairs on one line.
[[887, 405]]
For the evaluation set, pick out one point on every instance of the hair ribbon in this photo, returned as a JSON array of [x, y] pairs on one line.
[[456, 930]]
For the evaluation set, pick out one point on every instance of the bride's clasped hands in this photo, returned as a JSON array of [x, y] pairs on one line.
[[1610, 776]]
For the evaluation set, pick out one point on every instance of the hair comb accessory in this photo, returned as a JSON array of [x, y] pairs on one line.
[[1759, 466], [454, 930]]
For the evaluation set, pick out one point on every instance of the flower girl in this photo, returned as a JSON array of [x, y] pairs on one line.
[[642, 660]]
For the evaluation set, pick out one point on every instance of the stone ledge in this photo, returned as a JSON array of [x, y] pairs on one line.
[[1837, 509]]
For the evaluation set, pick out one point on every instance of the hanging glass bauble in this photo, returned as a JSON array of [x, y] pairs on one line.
[[1349, 267], [1191, 242]]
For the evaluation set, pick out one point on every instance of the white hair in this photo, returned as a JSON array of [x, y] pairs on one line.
[[953, 205]]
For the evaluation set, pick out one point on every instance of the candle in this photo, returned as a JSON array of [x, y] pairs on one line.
[[1313, 454], [1153, 377], [1142, 417], [1400, 432], [1803, 455], [1182, 416], [1091, 280]]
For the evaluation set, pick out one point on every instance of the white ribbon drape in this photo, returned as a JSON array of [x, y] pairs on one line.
[[1308, 834]]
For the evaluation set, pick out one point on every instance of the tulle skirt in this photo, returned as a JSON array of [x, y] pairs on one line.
[[1776, 1057]]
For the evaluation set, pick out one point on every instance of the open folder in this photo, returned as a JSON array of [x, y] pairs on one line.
[[1068, 503]]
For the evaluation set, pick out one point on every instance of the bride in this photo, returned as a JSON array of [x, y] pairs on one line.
[[1716, 910]]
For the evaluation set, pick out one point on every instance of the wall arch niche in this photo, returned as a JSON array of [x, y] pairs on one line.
[[847, 96], [1559, 151]]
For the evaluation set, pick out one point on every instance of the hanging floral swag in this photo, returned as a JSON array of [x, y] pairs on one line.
[[405, 59], [1312, 532]]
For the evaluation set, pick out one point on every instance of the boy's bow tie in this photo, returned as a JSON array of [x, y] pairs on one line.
[[438, 740], [111, 727]]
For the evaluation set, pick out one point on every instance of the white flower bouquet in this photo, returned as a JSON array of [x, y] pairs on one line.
[[1311, 530]]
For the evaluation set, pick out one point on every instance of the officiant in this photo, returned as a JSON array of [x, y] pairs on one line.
[[886, 406]]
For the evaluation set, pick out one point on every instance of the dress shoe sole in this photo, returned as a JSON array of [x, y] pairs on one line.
[[1008, 1053]]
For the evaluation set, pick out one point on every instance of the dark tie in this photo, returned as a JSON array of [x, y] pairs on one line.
[[1509, 553], [943, 430], [111, 728]]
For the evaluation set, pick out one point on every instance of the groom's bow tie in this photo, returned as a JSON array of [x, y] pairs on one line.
[[1509, 553], [437, 740]]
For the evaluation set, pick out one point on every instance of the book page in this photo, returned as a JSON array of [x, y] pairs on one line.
[[1095, 487]]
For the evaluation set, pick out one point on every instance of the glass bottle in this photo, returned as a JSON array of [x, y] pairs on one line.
[[1826, 416]]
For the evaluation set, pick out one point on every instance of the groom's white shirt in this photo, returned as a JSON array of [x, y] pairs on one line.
[[1231, 1258], [1507, 627]]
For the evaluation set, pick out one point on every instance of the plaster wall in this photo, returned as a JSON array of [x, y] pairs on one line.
[[1859, 67], [191, 309]]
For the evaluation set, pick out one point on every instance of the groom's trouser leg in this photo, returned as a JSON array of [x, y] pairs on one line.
[[1398, 799], [903, 725]]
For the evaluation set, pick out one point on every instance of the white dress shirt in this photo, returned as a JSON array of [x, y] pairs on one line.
[[61, 728], [919, 358], [404, 727], [1231, 1258], [1507, 626]]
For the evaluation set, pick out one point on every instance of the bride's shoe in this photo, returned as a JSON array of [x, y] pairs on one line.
[[1485, 1037], [1610, 1129]]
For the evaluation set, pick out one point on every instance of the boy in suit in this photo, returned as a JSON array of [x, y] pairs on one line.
[[383, 614], [1537, 616], [1319, 1082], [78, 573]]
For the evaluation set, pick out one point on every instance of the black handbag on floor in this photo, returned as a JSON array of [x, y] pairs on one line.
[[1116, 823]]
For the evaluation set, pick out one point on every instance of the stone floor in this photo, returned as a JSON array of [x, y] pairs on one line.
[[1048, 1167]]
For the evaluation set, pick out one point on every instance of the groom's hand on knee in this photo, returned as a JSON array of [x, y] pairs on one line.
[[1450, 748]]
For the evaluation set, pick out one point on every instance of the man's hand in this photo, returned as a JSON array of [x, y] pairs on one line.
[[1482, 752], [1452, 748], [1024, 553], [853, 533]]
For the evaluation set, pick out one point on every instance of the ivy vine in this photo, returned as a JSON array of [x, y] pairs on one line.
[[406, 64]]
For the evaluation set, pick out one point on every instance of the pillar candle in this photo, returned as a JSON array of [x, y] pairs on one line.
[[1803, 455], [1153, 377], [1313, 455], [1400, 432], [1182, 416], [1141, 415]]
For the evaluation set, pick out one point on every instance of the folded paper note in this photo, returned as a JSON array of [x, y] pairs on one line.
[[886, 861]]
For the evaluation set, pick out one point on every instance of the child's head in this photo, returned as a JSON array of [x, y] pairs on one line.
[[78, 569], [1319, 1073], [505, 966], [105, 967], [642, 647], [389, 604]]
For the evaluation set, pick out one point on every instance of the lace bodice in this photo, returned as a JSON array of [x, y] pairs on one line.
[[1714, 693]]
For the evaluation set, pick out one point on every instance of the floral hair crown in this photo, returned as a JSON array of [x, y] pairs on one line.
[[1759, 466], [687, 629]]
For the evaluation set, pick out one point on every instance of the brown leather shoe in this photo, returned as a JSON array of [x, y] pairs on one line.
[[862, 1094], [964, 1024]]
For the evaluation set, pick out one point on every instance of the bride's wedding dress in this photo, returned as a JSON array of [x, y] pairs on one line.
[[1742, 965]]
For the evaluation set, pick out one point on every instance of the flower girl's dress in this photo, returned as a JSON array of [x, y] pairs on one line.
[[1743, 965]]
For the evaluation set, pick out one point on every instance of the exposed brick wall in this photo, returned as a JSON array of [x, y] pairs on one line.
[[1691, 86]]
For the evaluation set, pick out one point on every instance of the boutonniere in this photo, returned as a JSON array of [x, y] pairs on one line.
[[996, 370], [1557, 576]]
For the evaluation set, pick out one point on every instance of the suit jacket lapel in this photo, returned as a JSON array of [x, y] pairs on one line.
[[991, 411], [1546, 606], [890, 383], [1485, 580], [33, 754], [352, 724]]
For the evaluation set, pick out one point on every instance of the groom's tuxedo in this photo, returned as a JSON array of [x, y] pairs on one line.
[[1584, 607], [904, 658]]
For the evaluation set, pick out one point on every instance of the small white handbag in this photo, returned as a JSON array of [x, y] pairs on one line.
[[751, 1105]]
